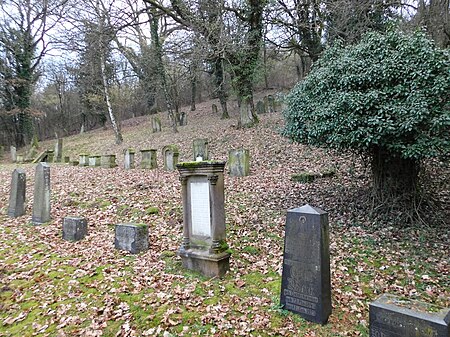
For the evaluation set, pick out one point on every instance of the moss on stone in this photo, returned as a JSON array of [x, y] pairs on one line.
[[194, 164]]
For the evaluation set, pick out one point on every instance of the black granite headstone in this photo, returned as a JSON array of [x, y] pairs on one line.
[[306, 283], [390, 316]]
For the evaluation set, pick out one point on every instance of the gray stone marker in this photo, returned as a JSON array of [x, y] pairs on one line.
[[13, 152], [41, 201], [239, 162], [83, 159], [204, 246], [170, 155], [50, 156], [131, 237], [66, 159], [271, 104], [183, 118], [200, 149], [17, 195], [74, 228], [148, 159], [20, 159], [305, 281], [260, 108], [128, 159], [214, 109], [95, 161], [58, 150], [390, 316], [156, 124], [108, 161]]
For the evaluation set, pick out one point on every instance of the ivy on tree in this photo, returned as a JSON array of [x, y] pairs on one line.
[[386, 97]]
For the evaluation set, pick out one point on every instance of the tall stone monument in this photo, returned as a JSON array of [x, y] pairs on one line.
[[58, 150], [306, 282], [41, 202], [204, 246], [128, 160], [17, 195], [156, 124], [200, 149], [239, 162], [13, 152], [170, 155], [148, 159]]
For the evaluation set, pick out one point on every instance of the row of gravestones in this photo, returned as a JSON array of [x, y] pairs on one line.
[[306, 279], [47, 156], [267, 105]]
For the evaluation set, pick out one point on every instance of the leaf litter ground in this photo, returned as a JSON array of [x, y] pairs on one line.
[[49, 287]]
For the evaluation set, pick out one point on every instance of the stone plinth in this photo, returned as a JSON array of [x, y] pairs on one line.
[[131, 237], [74, 228], [108, 161], [305, 281], [128, 159], [200, 149], [17, 195], [95, 161], [148, 159], [170, 155], [239, 162], [204, 246], [83, 159], [41, 200], [58, 150], [392, 316]]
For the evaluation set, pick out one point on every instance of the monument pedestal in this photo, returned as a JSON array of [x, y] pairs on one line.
[[204, 262]]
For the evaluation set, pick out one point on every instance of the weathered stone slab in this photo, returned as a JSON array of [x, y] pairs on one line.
[[131, 237], [20, 159], [66, 159], [271, 104], [391, 316], [108, 161], [17, 195], [200, 149], [204, 246], [170, 155], [306, 283], [214, 109], [41, 157], [148, 159], [50, 156], [58, 150], [239, 162], [95, 161], [260, 108], [13, 152], [128, 159], [83, 159], [41, 201], [156, 124], [74, 228], [183, 118]]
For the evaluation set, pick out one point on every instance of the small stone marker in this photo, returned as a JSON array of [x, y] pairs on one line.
[[13, 152], [390, 316], [271, 104], [74, 228], [260, 107], [131, 237], [305, 282], [129, 159], [41, 201], [66, 159], [17, 196], [214, 109], [200, 147], [156, 124], [19, 158], [108, 160], [239, 162], [148, 159], [58, 150], [170, 154], [50, 156], [95, 161], [204, 247], [183, 118], [83, 160]]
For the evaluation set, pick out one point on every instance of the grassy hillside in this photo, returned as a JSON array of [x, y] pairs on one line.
[[50, 287]]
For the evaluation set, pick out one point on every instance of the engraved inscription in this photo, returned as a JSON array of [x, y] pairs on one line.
[[200, 206], [302, 295], [297, 308], [300, 302]]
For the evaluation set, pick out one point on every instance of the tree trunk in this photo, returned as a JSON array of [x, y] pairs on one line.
[[394, 178], [220, 86], [115, 124], [247, 115]]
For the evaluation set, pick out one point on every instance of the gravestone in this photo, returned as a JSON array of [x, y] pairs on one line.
[[66, 159], [214, 109], [108, 161], [83, 159], [148, 159], [50, 156], [305, 282], [95, 161], [13, 152], [2, 150], [74, 228], [129, 159], [204, 248], [131, 237], [170, 155], [200, 147], [271, 104], [391, 316], [183, 118], [156, 124], [17, 195], [260, 107], [41, 201], [58, 150], [239, 162], [20, 159]]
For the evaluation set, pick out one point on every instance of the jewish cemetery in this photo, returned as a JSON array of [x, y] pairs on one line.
[[258, 168]]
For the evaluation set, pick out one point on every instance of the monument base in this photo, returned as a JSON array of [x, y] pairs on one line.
[[204, 262]]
